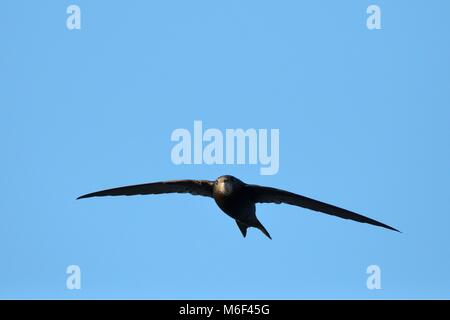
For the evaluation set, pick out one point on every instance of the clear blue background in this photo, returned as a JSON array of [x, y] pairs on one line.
[[364, 119]]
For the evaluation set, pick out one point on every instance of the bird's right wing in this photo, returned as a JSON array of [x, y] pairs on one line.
[[263, 194], [194, 187]]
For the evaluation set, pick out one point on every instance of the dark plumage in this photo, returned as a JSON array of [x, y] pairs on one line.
[[237, 199]]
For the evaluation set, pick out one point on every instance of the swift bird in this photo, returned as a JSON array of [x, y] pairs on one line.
[[237, 199]]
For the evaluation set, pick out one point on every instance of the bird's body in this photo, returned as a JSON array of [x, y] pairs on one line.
[[231, 196], [237, 199]]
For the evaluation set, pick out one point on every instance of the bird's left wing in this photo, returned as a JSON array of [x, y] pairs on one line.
[[194, 187], [272, 195]]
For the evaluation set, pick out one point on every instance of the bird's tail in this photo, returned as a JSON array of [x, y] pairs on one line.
[[242, 227], [263, 230]]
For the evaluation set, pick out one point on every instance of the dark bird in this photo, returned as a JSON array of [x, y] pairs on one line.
[[237, 199]]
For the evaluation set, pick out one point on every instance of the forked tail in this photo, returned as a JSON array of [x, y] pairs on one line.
[[243, 227]]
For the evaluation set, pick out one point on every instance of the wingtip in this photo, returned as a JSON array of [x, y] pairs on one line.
[[393, 229], [88, 195]]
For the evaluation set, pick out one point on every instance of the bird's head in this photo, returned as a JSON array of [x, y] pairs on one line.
[[227, 184]]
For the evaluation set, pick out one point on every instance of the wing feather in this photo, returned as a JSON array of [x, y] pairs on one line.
[[263, 194], [194, 187]]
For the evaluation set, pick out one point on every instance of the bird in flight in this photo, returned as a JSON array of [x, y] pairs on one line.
[[237, 199]]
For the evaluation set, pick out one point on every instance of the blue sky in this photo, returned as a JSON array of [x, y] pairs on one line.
[[364, 124]]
